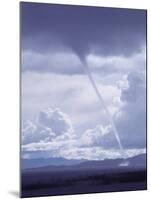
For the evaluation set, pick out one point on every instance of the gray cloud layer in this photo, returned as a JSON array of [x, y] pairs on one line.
[[82, 29]]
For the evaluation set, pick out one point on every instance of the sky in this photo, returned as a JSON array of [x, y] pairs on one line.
[[61, 114]]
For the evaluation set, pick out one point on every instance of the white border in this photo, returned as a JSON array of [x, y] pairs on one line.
[[9, 97]]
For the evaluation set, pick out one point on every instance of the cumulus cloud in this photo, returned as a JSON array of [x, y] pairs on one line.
[[54, 133], [99, 136], [58, 121], [54, 136], [123, 83], [52, 124], [38, 135], [136, 88], [131, 119], [55, 127]]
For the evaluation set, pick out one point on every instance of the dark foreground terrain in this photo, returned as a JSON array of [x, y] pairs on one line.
[[88, 177]]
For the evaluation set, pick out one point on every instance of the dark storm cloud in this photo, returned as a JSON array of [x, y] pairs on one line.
[[59, 63], [105, 30]]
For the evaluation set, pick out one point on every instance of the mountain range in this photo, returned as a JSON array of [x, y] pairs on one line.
[[138, 161]]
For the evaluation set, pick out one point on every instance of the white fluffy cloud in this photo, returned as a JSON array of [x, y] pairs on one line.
[[73, 151], [99, 136], [52, 125], [54, 136], [98, 153], [57, 121]]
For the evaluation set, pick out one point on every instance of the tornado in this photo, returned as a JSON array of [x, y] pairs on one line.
[[109, 117]]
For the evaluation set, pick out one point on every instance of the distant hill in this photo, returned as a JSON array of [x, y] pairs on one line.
[[41, 162], [65, 164], [139, 160]]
